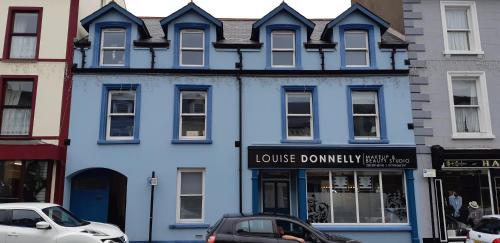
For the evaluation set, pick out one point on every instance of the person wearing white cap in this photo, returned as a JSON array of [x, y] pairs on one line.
[[475, 214]]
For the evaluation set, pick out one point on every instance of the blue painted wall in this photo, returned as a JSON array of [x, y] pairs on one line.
[[262, 124]]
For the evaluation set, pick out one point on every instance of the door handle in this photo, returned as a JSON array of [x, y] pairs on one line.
[[13, 234]]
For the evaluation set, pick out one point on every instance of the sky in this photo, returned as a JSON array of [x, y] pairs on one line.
[[239, 8]]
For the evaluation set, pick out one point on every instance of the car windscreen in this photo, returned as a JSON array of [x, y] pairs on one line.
[[63, 217], [488, 226]]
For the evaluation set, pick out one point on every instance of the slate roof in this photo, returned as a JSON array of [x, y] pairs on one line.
[[238, 31]]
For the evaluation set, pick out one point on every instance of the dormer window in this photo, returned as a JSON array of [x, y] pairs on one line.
[[357, 53], [283, 48], [113, 47], [192, 48]]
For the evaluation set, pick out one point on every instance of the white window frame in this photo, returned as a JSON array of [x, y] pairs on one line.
[[311, 116], [182, 49], [181, 114], [103, 48], [356, 191], [109, 115], [178, 208], [366, 50], [376, 115], [283, 32], [484, 109], [474, 36]]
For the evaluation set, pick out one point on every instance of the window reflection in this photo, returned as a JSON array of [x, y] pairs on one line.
[[24, 181]]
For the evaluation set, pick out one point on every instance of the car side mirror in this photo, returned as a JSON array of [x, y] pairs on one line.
[[43, 225]]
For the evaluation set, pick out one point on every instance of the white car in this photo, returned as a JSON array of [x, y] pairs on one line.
[[487, 231], [50, 223]]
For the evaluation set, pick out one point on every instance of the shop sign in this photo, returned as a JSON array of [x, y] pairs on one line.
[[283, 157], [472, 163]]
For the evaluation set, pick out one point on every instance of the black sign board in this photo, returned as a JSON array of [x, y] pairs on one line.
[[471, 163], [294, 157]]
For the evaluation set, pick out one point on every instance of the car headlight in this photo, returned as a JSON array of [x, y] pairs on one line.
[[94, 233]]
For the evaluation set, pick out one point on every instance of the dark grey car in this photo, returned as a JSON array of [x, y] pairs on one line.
[[267, 229]]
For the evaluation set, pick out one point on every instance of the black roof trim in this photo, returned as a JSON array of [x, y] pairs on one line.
[[393, 45], [237, 45], [142, 43], [83, 43], [230, 72], [320, 45]]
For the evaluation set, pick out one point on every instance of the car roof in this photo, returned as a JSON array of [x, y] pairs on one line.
[[497, 216], [267, 215], [26, 205]]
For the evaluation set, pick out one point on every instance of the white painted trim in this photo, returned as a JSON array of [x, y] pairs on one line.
[[491, 192], [484, 110], [475, 40], [192, 48], [283, 32], [366, 49], [311, 116], [178, 199], [103, 48], [181, 137], [109, 115], [381, 185], [376, 115]]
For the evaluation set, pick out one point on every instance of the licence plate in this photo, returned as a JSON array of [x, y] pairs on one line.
[[477, 241]]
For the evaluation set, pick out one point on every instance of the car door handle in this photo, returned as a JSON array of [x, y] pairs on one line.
[[13, 234]]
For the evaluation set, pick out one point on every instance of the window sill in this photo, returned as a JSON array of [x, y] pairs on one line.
[[358, 68], [309, 141], [189, 226], [179, 141], [368, 141], [190, 67], [459, 136], [284, 68], [362, 228], [110, 142], [19, 60], [463, 53]]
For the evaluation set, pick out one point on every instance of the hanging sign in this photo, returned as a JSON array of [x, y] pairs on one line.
[[282, 157]]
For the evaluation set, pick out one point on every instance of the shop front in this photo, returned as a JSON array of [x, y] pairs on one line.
[[467, 186], [347, 190]]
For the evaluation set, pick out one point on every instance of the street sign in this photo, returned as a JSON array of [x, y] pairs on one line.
[[153, 181], [429, 173]]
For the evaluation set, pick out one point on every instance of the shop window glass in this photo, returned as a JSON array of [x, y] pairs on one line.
[[488, 226], [368, 197], [318, 197], [394, 197], [24, 181], [343, 197], [465, 203]]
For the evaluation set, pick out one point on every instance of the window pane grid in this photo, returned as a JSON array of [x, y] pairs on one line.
[[190, 54], [365, 105], [24, 35], [300, 128], [192, 123], [113, 47], [121, 125], [278, 46], [190, 206], [392, 204]]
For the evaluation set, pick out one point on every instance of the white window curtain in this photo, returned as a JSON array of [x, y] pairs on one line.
[[15, 121], [23, 47], [458, 29], [467, 112]]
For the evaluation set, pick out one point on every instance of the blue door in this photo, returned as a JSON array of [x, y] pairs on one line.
[[90, 197]]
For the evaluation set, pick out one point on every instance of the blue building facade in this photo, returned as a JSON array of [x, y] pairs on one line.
[[274, 115]]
